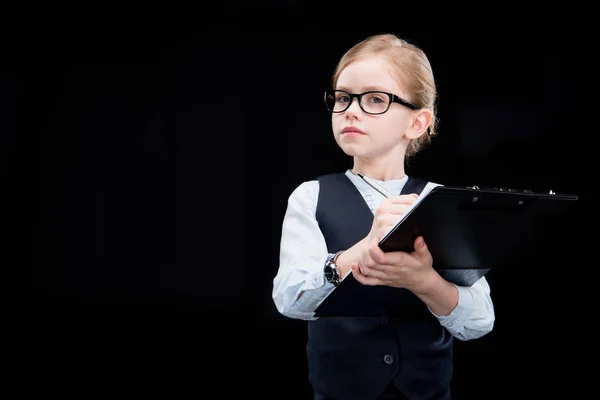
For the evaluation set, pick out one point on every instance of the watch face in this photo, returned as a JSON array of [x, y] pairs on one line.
[[329, 273]]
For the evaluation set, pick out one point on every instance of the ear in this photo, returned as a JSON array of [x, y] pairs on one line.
[[420, 122]]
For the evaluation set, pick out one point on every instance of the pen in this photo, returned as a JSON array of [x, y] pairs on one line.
[[374, 185]]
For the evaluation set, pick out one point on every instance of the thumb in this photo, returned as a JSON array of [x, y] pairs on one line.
[[421, 246], [422, 251]]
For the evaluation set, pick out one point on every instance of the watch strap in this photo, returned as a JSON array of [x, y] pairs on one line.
[[330, 264], [336, 255]]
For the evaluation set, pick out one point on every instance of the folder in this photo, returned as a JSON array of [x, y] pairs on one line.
[[468, 231]]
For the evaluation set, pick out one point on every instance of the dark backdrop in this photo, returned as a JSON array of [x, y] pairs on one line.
[[165, 147]]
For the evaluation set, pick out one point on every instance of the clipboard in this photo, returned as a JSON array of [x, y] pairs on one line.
[[468, 231]]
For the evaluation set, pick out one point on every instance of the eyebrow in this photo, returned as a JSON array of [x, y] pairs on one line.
[[365, 88]]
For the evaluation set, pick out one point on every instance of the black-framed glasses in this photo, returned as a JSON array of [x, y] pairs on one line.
[[371, 102]]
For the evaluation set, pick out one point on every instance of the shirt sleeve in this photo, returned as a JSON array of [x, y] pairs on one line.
[[474, 315], [299, 286]]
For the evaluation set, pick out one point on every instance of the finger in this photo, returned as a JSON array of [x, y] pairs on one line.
[[384, 225], [389, 218], [383, 272], [376, 239], [357, 273], [389, 262], [392, 209], [421, 250], [402, 199], [376, 253], [396, 258], [365, 280]]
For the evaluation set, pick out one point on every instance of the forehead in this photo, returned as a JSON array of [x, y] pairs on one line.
[[373, 73]]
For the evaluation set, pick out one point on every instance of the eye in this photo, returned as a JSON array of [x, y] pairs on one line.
[[376, 98]]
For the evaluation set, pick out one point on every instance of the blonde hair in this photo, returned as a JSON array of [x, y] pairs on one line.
[[412, 70]]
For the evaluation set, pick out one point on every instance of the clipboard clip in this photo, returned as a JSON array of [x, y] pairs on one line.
[[497, 189]]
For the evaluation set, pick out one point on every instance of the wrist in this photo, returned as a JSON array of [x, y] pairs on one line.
[[345, 258], [431, 283], [439, 295], [344, 266], [348, 257]]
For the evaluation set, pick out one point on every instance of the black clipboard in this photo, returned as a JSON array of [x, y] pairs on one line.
[[468, 231]]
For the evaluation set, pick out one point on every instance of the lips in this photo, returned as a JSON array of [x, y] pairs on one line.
[[352, 131]]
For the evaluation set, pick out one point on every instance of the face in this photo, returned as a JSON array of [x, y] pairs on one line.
[[378, 135]]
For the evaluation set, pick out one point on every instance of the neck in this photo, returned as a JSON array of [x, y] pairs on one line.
[[383, 170]]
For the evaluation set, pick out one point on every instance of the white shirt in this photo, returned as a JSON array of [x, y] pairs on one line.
[[299, 286]]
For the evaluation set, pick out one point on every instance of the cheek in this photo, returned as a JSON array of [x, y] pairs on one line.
[[394, 126], [336, 123]]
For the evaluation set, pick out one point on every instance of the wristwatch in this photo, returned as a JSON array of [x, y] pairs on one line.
[[331, 271]]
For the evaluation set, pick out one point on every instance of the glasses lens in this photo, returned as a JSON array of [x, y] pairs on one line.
[[375, 102], [336, 100]]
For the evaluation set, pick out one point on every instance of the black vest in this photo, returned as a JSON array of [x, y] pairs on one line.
[[358, 358]]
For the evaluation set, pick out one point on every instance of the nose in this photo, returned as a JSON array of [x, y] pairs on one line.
[[354, 108]]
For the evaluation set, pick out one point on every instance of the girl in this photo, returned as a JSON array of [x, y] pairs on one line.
[[383, 112]]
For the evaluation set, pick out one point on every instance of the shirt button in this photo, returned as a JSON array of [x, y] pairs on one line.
[[388, 359]]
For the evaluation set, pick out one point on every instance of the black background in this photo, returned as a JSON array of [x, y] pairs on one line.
[[164, 146]]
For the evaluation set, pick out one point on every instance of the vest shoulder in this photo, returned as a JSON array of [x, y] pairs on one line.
[[417, 179], [333, 175]]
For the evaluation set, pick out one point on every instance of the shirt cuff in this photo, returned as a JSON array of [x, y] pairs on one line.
[[457, 319], [311, 300]]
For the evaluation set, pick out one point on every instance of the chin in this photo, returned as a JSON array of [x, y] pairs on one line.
[[352, 151]]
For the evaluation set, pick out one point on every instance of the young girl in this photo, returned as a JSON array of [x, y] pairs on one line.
[[383, 111]]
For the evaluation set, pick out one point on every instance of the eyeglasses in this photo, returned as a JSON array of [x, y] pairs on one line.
[[371, 102]]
